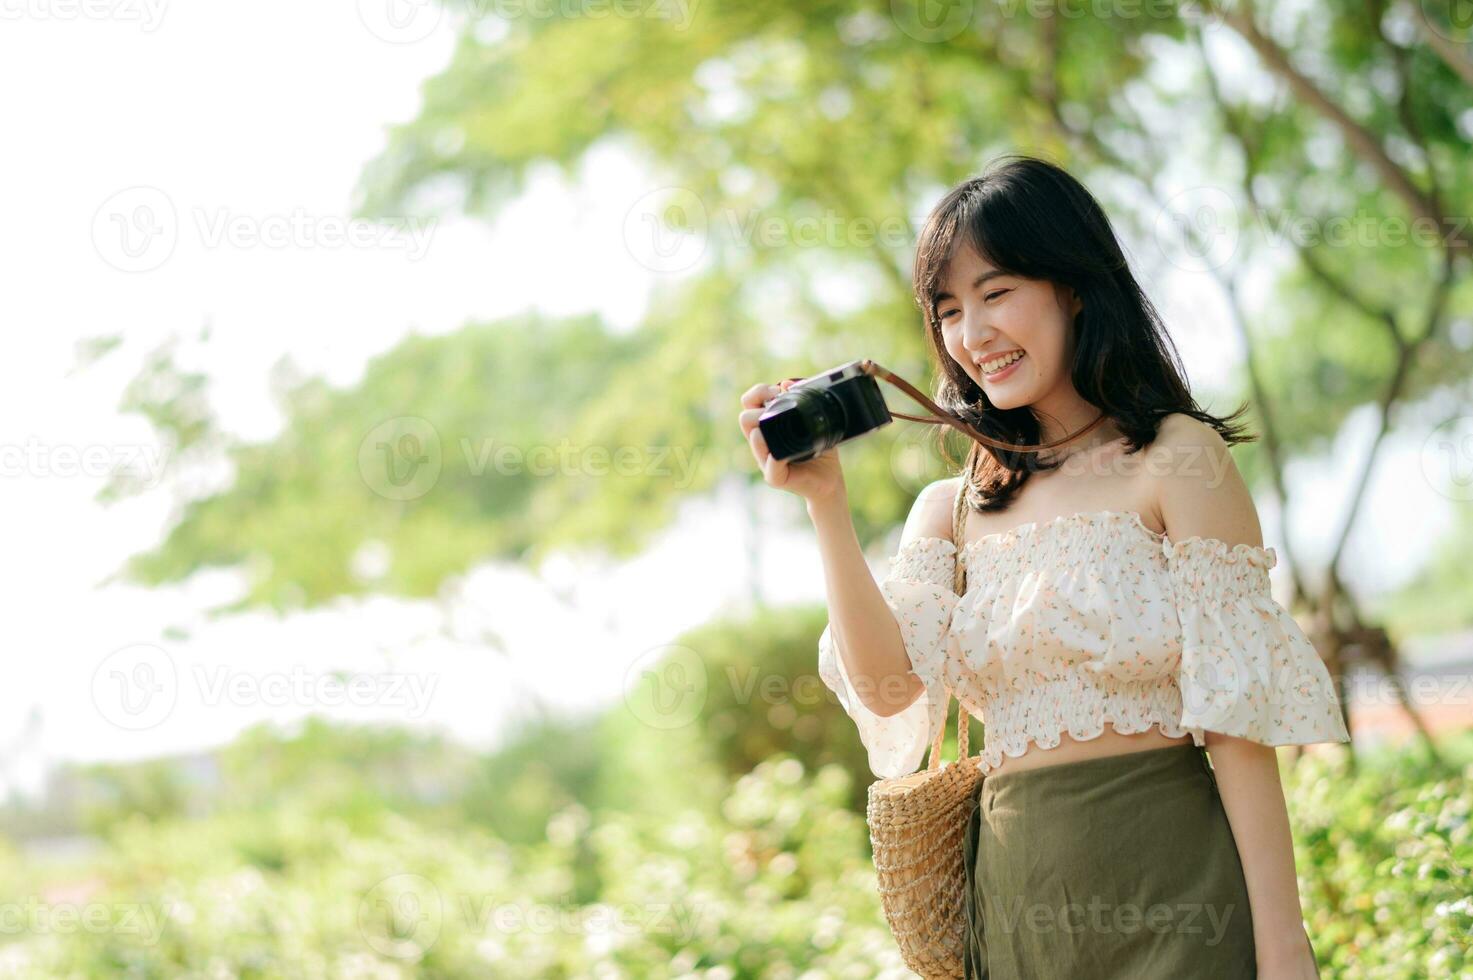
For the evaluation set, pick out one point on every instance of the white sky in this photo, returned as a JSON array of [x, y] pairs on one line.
[[251, 115]]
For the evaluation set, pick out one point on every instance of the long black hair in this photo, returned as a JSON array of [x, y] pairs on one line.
[[1030, 218]]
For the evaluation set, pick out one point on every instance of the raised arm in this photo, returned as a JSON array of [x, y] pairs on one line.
[[869, 637], [887, 669]]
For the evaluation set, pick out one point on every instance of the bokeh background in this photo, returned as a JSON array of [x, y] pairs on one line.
[[390, 590]]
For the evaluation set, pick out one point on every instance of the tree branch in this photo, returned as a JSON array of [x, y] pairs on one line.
[[1362, 142]]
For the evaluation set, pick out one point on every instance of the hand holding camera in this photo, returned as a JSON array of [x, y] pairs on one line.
[[804, 419], [817, 477]]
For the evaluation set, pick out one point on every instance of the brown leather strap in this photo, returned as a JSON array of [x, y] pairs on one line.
[[946, 418]]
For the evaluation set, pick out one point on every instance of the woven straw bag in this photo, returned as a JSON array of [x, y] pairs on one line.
[[916, 826]]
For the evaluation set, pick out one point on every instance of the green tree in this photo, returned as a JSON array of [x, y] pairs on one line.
[[789, 147]]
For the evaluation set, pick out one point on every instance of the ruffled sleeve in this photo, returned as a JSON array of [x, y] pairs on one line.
[[919, 590], [1247, 669]]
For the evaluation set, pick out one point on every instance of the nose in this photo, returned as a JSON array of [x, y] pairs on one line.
[[976, 332]]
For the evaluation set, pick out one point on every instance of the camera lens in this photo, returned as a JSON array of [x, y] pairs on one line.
[[813, 423]]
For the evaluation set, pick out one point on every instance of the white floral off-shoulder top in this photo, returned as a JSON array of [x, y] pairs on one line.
[[1089, 618]]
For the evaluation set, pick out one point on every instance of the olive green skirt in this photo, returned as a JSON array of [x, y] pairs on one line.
[[1118, 868]]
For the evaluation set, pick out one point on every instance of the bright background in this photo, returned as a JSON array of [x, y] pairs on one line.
[[255, 115]]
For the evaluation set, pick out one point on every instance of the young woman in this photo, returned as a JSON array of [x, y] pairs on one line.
[[1116, 627]]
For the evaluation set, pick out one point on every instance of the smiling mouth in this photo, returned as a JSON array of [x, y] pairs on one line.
[[997, 365]]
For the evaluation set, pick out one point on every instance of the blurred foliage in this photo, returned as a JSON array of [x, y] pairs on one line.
[[762, 695], [308, 861], [300, 509], [1386, 864], [734, 845], [757, 117], [1436, 600]]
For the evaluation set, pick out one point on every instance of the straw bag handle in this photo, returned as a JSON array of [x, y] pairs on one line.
[[959, 584]]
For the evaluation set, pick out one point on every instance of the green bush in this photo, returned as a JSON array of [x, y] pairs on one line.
[[323, 865]]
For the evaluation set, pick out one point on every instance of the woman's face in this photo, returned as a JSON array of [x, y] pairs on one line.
[[1004, 315]]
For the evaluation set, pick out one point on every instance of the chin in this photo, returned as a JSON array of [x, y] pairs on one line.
[[1007, 402], [1011, 396]]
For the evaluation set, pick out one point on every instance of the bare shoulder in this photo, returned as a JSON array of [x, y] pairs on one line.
[[1199, 490], [931, 514], [1179, 430]]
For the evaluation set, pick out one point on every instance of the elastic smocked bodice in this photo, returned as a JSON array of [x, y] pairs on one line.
[[1068, 624]]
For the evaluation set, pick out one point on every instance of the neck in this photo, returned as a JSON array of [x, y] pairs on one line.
[[1057, 424]]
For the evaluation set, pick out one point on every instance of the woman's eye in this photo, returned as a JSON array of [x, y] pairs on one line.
[[990, 296]]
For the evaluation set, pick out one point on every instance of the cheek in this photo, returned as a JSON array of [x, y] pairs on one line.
[[1034, 323]]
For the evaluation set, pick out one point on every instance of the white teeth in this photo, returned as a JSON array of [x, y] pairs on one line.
[[992, 367]]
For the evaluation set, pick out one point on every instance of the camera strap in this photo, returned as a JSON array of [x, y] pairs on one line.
[[946, 418]]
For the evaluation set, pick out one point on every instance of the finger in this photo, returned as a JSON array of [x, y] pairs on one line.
[[758, 443], [747, 418], [775, 471], [759, 395]]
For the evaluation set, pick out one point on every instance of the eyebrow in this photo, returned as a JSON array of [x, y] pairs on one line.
[[984, 277]]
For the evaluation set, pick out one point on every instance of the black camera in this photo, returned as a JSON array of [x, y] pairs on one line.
[[823, 411]]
